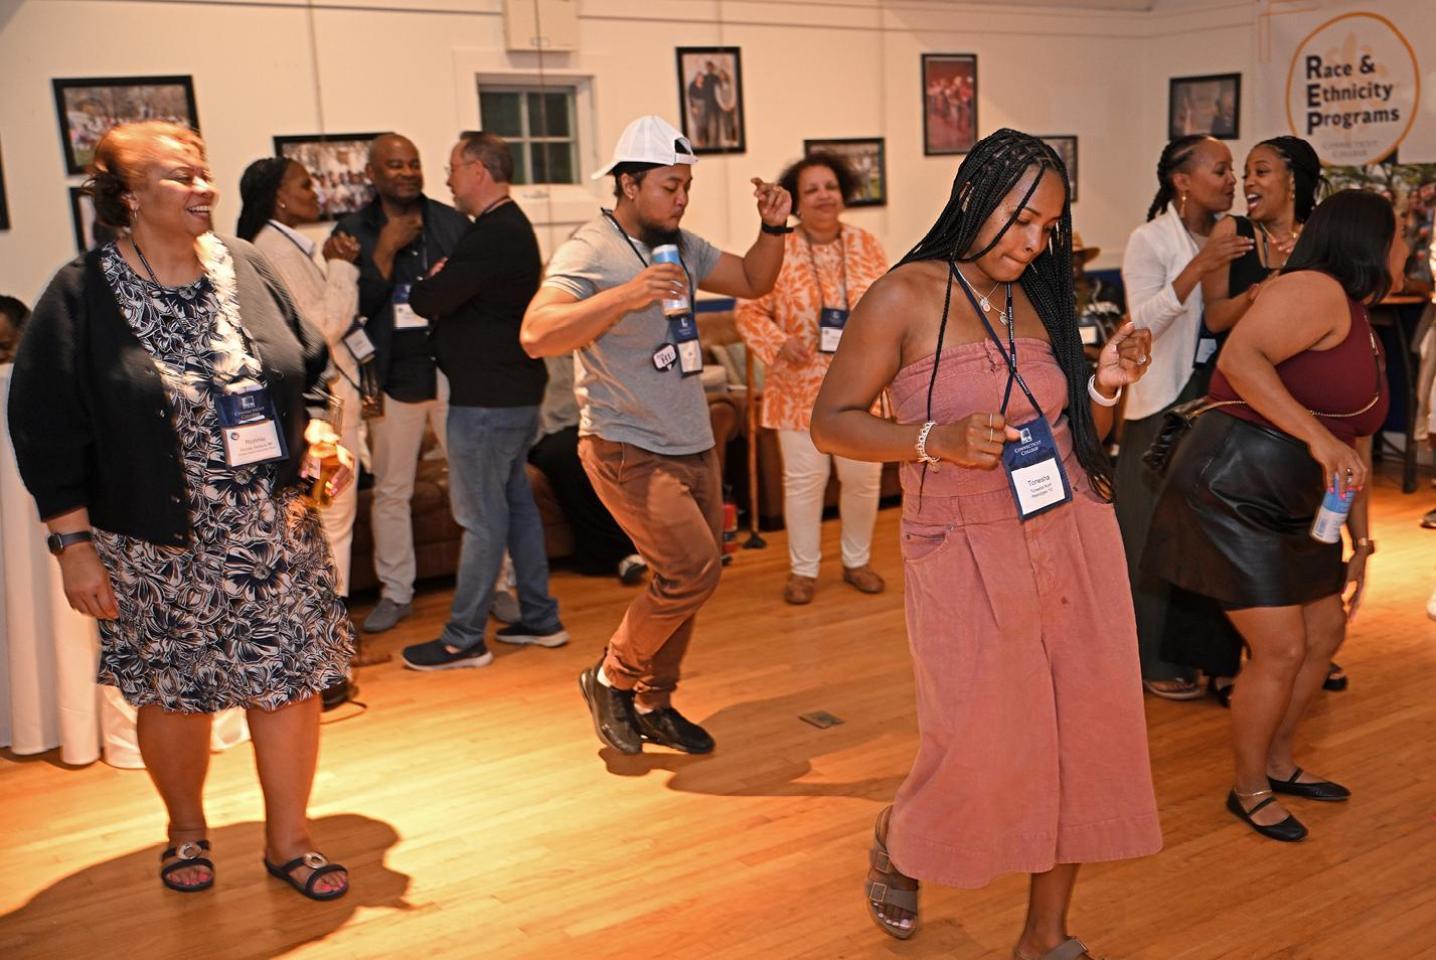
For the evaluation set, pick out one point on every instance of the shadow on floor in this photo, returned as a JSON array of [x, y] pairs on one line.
[[117, 907]]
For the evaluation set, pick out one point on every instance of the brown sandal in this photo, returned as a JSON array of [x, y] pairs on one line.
[[885, 894], [1072, 949]]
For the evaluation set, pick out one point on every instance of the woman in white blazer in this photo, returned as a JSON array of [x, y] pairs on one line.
[[278, 196], [1162, 271]]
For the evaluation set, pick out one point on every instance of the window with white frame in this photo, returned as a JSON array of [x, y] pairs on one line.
[[540, 124]]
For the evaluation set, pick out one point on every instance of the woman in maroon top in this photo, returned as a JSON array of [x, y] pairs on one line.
[[1305, 388]]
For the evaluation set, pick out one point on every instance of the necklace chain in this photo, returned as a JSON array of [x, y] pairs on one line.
[[985, 300]]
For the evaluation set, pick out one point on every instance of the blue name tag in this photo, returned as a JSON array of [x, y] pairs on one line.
[[830, 328], [249, 426], [1034, 470]]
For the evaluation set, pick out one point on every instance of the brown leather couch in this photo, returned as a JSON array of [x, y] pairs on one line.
[[718, 332], [437, 536]]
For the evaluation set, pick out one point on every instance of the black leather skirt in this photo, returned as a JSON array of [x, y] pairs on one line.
[[1233, 521]]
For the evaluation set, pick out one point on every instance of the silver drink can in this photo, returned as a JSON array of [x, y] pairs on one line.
[[668, 253]]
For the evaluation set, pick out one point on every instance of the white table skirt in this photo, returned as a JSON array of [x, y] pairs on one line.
[[49, 653]]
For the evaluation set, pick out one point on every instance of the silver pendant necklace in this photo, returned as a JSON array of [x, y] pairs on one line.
[[985, 300]]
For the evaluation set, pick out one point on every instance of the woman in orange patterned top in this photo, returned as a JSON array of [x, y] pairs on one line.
[[827, 267]]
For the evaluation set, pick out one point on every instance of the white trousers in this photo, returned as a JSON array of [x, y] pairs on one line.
[[338, 518], [805, 477], [394, 441]]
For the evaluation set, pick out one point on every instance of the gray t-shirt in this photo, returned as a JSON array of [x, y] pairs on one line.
[[622, 396]]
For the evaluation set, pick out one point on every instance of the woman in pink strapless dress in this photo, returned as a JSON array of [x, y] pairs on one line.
[[1033, 749]]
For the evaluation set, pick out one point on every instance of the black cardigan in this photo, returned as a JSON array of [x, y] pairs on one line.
[[89, 416]]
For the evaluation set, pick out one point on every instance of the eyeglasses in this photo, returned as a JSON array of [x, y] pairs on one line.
[[449, 168]]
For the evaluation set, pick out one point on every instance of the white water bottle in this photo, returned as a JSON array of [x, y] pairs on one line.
[[1326, 528]]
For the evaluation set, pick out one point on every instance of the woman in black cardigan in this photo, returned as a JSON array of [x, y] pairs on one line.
[[157, 415]]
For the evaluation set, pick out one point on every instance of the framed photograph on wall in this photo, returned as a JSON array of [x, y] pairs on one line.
[[949, 103], [1066, 147], [336, 164], [1211, 105], [87, 108], [710, 97], [866, 157], [4, 203], [89, 232]]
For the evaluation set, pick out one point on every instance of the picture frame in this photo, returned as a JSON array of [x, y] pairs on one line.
[[867, 160], [710, 99], [1066, 146], [4, 201], [89, 232], [1210, 104], [949, 103], [88, 107], [336, 163]]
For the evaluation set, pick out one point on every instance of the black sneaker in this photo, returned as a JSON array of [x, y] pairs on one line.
[[434, 655], [612, 712], [669, 728], [632, 570], [524, 634]]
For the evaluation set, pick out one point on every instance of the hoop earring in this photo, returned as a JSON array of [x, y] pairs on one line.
[[1182, 207]]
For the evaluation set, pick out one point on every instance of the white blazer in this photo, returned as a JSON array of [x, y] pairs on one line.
[[327, 294], [1156, 253]]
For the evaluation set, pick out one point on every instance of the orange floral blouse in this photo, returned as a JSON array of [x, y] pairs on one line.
[[791, 309]]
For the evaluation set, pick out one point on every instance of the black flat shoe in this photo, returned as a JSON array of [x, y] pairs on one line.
[[1222, 695], [1289, 830], [612, 712], [1336, 679], [1317, 790], [669, 728]]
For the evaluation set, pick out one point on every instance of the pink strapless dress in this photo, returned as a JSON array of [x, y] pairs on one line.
[[1033, 740]]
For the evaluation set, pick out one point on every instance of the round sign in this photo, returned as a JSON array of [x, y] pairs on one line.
[[1353, 89]]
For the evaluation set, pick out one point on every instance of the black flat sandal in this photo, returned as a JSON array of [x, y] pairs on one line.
[[1289, 830], [1328, 790], [1221, 694], [189, 854], [318, 866], [1336, 679]]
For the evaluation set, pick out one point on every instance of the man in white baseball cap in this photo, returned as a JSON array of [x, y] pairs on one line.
[[645, 437]]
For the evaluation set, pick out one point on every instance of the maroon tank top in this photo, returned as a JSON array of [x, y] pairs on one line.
[[1340, 380]]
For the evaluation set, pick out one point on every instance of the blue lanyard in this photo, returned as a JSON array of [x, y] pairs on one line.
[[1009, 355]]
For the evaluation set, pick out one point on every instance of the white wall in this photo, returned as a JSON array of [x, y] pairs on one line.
[[811, 69]]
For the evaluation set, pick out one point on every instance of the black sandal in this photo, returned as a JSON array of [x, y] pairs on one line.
[[1221, 694], [318, 866], [1336, 679], [189, 855]]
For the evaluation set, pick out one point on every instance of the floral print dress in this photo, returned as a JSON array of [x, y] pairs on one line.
[[246, 615]]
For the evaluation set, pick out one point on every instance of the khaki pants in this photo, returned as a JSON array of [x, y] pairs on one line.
[[672, 509]]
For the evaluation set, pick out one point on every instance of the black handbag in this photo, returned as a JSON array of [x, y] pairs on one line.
[[1177, 424], [1179, 420]]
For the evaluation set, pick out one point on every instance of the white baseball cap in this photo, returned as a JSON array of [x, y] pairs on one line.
[[650, 139]]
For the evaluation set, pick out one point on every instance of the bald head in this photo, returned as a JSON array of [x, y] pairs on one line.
[[394, 169]]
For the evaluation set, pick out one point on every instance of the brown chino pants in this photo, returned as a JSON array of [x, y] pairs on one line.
[[672, 509]]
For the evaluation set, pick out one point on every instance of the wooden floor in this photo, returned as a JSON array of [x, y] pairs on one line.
[[481, 818]]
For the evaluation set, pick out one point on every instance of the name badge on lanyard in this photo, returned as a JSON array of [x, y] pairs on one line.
[[830, 328], [684, 329], [1033, 464], [249, 425], [1207, 344], [831, 320], [357, 341], [404, 316]]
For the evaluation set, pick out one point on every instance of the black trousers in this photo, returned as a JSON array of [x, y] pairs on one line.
[[599, 543]]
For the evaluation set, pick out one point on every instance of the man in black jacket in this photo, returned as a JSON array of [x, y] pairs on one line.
[[476, 301], [401, 235]]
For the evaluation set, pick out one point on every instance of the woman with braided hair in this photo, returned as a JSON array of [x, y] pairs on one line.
[[278, 196], [1162, 270], [1280, 182], [1033, 750]]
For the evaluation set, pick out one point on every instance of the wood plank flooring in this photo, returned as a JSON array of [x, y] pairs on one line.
[[481, 818]]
